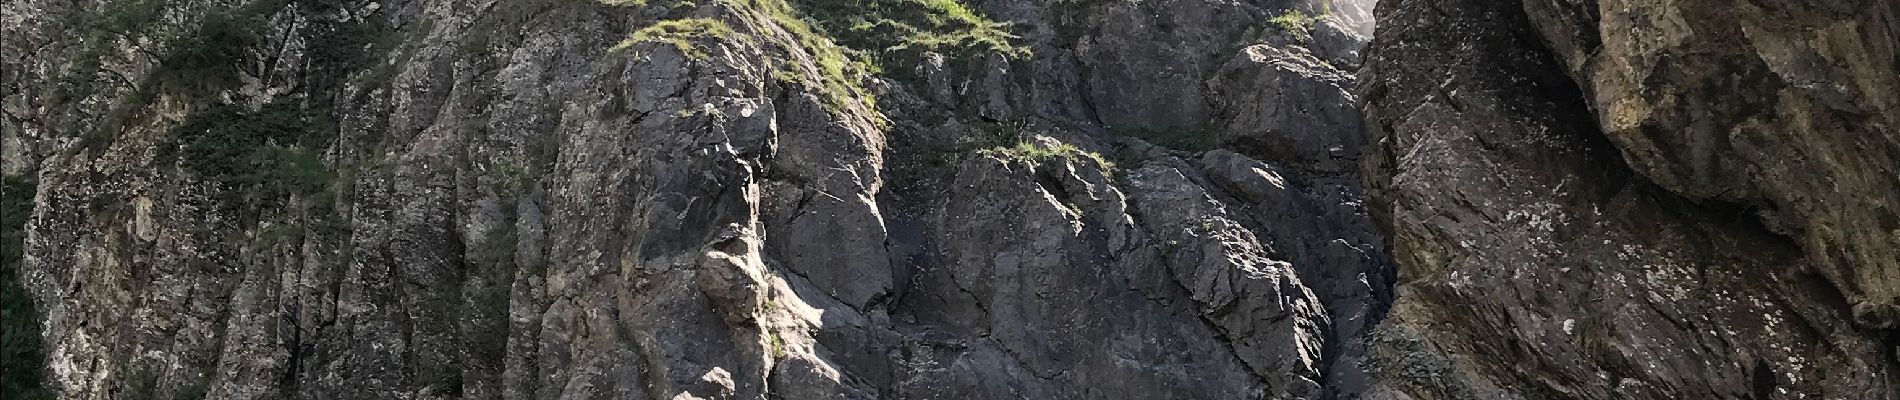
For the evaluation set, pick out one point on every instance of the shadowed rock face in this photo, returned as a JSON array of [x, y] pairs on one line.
[[1635, 200], [573, 199]]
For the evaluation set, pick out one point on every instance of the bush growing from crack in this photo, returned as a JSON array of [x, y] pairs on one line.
[[840, 70], [266, 153], [213, 56], [1297, 23], [777, 343]]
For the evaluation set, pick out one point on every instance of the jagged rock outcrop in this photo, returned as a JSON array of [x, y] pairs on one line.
[[1635, 199], [1789, 109], [629, 199]]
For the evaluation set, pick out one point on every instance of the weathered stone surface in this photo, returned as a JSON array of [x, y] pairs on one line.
[[515, 200], [496, 199], [1788, 108], [1546, 252]]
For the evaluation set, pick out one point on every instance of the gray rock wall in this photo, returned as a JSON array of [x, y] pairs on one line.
[[572, 199], [820, 199], [1599, 200]]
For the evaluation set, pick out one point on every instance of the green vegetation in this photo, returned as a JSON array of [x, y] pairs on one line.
[[777, 344], [497, 248], [883, 26], [85, 76], [20, 347], [1030, 151], [679, 32], [270, 151], [841, 70], [844, 38], [490, 272], [1001, 134], [440, 379], [126, 17], [898, 31], [198, 59], [1297, 23], [338, 48]]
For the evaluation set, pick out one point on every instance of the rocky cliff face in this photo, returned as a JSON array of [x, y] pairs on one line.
[[721, 199], [818, 199], [1640, 199]]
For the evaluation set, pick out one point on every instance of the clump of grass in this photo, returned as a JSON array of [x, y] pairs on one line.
[[840, 69], [269, 152], [843, 39], [1297, 23], [1029, 150], [679, 33], [884, 26], [949, 25], [777, 344], [1189, 140]]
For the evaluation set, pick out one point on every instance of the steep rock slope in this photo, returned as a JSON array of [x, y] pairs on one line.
[[721, 199], [1684, 199]]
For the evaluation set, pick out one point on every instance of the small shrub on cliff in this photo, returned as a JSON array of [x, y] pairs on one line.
[[777, 344], [269, 151], [841, 70], [1297, 23], [946, 26]]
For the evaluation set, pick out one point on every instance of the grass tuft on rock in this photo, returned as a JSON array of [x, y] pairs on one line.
[[840, 70], [886, 26], [1029, 150], [679, 33]]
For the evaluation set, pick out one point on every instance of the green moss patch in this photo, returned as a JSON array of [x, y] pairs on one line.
[[882, 26]]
